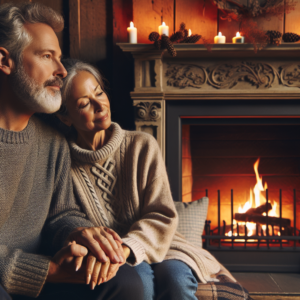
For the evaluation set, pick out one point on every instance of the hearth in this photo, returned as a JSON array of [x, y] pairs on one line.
[[215, 115]]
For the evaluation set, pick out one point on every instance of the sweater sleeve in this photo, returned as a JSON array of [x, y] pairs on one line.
[[149, 237], [65, 214], [22, 273]]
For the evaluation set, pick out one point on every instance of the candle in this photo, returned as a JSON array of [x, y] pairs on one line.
[[163, 29], [220, 39], [190, 32], [238, 38], [132, 34]]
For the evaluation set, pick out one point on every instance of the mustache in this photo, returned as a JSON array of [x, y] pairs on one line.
[[55, 81]]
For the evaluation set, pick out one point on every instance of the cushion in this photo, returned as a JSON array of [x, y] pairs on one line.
[[225, 289], [192, 216]]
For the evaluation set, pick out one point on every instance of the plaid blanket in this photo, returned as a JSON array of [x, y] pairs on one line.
[[226, 289]]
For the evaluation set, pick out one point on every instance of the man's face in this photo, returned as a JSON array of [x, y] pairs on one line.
[[38, 78]]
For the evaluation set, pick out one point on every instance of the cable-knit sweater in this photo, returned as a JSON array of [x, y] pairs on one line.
[[124, 186], [35, 188]]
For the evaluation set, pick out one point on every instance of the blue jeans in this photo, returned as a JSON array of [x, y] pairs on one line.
[[3, 294], [126, 285], [168, 280]]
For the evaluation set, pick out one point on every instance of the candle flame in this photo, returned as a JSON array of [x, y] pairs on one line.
[[238, 34], [163, 24], [220, 33], [131, 25], [190, 32]]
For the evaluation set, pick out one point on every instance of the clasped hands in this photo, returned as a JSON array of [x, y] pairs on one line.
[[90, 255]]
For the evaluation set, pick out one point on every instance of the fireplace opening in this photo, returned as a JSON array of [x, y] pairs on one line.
[[250, 170], [224, 149]]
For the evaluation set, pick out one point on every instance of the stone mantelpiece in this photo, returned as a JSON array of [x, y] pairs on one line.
[[229, 71]]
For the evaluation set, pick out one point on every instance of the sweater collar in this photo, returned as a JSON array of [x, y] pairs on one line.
[[91, 156], [18, 137]]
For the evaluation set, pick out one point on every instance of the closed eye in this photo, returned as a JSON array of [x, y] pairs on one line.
[[84, 105], [99, 94]]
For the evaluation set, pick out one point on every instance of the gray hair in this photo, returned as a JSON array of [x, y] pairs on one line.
[[13, 36], [73, 67]]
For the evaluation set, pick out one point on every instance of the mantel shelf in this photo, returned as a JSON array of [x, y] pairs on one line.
[[228, 49]]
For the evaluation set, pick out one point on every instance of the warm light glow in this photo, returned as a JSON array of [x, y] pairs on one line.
[[163, 24], [220, 34], [238, 34], [190, 32], [131, 25]]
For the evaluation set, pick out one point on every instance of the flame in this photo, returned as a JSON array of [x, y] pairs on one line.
[[259, 200]]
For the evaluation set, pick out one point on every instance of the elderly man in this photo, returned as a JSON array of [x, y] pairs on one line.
[[35, 185]]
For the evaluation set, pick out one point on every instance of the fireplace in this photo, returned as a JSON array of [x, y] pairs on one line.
[[227, 122], [218, 145]]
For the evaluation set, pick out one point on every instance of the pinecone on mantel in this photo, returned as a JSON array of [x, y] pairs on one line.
[[274, 37], [153, 36], [167, 44], [290, 37]]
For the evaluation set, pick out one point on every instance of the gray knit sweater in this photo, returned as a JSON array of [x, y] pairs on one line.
[[124, 185], [35, 194]]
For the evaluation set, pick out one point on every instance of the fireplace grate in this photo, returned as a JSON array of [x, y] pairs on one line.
[[287, 238]]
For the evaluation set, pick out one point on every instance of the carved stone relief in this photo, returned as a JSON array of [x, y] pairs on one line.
[[186, 75], [150, 118], [290, 75], [148, 111], [228, 75]]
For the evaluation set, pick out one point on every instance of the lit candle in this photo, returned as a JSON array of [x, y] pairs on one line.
[[132, 34], [190, 32], [220, 39], [163, 29], [238, 38]]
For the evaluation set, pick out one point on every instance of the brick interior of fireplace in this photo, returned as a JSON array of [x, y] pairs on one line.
[[221, 157]]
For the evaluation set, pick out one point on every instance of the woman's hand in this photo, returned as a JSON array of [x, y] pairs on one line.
[[101, 241], [98, 272]]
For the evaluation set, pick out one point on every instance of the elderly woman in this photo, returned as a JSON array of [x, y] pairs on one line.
[[121, 182]]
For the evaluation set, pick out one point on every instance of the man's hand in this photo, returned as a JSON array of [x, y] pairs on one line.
[[62, 265], [101, 241]]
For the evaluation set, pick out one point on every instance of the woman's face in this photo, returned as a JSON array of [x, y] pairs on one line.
[[87, 105]]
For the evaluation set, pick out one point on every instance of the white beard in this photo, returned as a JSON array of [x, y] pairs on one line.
[[35, 97]]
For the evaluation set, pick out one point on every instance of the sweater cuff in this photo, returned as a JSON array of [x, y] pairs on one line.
[[137, 250], [28, 275]]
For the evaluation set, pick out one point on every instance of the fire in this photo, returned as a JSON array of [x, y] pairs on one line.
[[258, 188], [258, 196], [256, 199]]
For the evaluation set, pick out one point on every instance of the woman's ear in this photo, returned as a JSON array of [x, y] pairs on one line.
[[64, 119], [6, 63]]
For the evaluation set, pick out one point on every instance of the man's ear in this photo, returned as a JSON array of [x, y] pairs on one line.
[[6, 63], [65, 120]]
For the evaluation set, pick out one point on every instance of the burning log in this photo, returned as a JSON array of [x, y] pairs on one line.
[[259, 210], [262, 219]]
